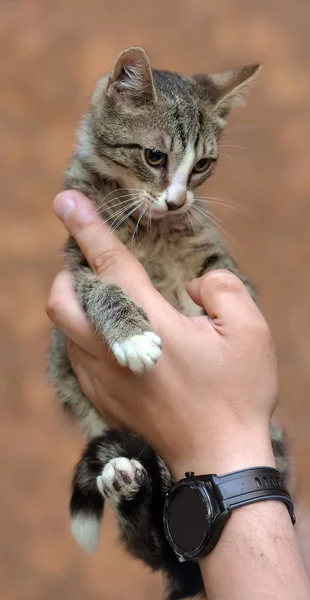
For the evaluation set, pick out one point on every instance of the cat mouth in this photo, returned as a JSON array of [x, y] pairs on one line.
[[156, 213]]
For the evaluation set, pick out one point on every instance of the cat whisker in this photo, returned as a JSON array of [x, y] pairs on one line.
[[137, 225], [229, 159], [130, 192], [189, 225], [191, 222], [103, 205], [118, 214], [202, 211], [117, 190], [122, 198], [207, 213], [224, 206], [235, 129], [231, 202], [124, 201], [233, 146], [216, 221], [127, 204], [149, 221], [219, 204], [127, 215], [197, 217]]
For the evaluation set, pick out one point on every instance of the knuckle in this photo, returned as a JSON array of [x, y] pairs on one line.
[[223, 280], [105, 260], [53, 309], [58, 296], [55, 306]]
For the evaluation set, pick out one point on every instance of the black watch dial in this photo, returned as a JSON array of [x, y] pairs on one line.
[[188, 517]]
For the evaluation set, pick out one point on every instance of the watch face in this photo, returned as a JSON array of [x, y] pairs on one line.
[[188, 517]]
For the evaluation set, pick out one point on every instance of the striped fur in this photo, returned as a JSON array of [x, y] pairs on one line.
[[134, 109]]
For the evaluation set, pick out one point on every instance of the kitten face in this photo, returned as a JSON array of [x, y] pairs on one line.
[[156, 132]]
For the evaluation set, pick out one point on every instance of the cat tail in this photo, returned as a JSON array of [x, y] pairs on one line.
[[86, 504]]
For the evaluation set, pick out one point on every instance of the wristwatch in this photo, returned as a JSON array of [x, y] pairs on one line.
[[198, 507]]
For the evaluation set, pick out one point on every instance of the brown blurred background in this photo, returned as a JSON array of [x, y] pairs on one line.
[[51, 55]]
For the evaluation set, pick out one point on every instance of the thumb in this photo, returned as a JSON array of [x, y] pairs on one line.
[[105, 253], [222, 295], [84, 223]]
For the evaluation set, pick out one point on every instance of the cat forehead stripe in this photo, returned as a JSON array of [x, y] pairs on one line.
[[180, 127], [180, 176]]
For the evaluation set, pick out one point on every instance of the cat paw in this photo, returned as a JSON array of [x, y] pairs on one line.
[[121, 479], [138, 352]]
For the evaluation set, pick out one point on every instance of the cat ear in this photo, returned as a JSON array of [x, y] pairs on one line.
[[131, 78], [227, 89]]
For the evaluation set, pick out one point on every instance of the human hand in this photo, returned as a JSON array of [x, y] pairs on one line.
[[214, 388]]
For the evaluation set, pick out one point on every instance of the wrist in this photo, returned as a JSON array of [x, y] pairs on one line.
[[232, 453]]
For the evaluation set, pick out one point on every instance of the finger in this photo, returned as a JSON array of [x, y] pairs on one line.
[[99, 245], [193, 289], [223, 296], [65, 312], [84, 367], [107, 256], [81, 362]]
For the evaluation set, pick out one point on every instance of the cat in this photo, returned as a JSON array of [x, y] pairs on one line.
[[149, 140]]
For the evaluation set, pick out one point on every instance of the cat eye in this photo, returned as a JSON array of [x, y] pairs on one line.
[[155, 158], [202, 165]]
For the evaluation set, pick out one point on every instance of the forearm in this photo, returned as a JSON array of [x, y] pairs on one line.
[[256, 557]]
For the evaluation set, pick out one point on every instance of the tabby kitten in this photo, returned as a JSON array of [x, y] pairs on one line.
[[149, 139]]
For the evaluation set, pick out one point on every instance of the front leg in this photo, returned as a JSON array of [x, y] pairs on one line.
[[118, 320]]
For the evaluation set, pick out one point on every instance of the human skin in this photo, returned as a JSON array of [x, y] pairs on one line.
[[210, 396]]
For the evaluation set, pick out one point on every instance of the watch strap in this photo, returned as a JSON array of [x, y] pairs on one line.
[[247, 486]]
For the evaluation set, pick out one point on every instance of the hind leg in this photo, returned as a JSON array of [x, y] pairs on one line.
[[119, 467], [126, 485], [89, 488], [134, 481]]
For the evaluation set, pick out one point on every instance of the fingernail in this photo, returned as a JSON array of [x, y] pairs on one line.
[[64, 206]]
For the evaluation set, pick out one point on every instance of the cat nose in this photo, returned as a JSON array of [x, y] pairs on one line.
[[175, 201], [174, 205]]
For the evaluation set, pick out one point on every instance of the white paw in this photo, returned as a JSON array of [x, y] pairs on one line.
[[139, 352], [121, 479]]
